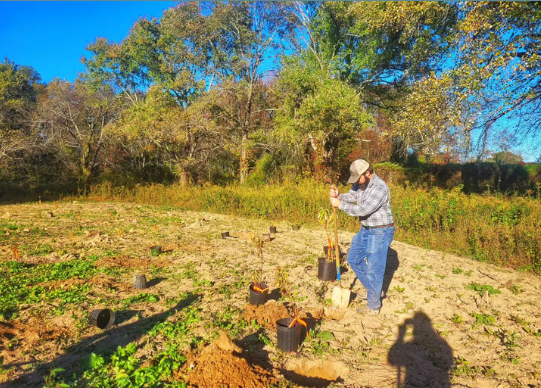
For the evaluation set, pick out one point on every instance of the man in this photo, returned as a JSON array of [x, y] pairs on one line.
[[369, 199]]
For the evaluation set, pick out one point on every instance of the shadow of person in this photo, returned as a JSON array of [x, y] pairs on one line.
[[390, 268], [74, 357], [426, 358]]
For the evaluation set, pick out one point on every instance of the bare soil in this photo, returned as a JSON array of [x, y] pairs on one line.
[[267, 314], [432, 330]]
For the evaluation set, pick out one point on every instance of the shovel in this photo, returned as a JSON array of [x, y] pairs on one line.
[[340, 296]]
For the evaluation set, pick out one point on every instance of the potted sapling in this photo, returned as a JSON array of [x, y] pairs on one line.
[[326, 269], [288, 330], [259, 291]]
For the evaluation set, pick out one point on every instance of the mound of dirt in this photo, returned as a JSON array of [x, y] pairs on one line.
[[131, 262], [218, 366], [267, 314]]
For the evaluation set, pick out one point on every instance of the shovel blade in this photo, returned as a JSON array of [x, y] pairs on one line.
[[340, 297]]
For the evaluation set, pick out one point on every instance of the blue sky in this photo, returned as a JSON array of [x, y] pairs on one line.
[[51, 36]]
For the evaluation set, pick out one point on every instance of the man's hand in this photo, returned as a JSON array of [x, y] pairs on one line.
[[335, 202], [333, 192]]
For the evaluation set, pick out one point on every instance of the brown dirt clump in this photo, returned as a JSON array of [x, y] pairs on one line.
[[131, 262], [30, 334], [218, 366], [7, 332], [267, 314]]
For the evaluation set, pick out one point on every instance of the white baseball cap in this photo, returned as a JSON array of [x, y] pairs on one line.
[[357, 169]]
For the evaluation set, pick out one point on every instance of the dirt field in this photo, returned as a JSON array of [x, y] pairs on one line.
[[445, 321]]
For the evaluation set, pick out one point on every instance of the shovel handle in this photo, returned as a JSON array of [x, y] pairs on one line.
[[336, 248]]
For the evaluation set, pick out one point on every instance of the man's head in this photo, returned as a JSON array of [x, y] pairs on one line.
[[360, 172]]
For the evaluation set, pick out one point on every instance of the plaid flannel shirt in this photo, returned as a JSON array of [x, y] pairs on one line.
[[372, 205]]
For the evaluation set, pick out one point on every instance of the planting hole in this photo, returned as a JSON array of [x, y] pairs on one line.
[[314, 373]]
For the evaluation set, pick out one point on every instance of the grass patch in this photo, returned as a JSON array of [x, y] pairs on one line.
[[487, 228]]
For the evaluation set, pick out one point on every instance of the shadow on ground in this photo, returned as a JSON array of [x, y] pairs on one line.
[[73, 358], [425, 359]]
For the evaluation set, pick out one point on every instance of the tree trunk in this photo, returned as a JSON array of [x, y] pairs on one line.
[[243, 162], [183, 177]]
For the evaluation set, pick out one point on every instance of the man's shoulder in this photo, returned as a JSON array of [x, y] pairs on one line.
[[380, 183]]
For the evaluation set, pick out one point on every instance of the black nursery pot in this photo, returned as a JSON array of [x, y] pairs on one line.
[[273, 229], [225, 234], [326, 270], [289, 338], [258, 298], [103, 318]]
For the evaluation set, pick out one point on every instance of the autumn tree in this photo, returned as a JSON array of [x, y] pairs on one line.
[[381, 49], [497, 75], [505, 157], [492, 76], [374, 45], [74, 117], [324, 113], [195, 47], [18, 100], [157, 130], [429, 120], [256, 32]]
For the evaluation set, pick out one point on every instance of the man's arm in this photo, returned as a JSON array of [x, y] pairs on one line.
[[350, 196], [372, 203]]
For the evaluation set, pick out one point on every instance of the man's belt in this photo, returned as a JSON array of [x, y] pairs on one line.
[[379, 226]]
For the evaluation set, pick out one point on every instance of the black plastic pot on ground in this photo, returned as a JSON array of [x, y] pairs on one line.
[[225, 235], [289, 338], [326, 270], [257, 297], [273, 229], [103, 318]]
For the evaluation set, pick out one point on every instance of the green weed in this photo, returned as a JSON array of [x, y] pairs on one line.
[[456, 319], [482, 319], [462, 367], [141, 298], [481, 289], [407, 309], [319, 342]]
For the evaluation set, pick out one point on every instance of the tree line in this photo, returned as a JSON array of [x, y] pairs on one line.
[[226, 92]]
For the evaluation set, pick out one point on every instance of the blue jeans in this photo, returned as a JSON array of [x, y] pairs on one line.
[[368, 257]]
